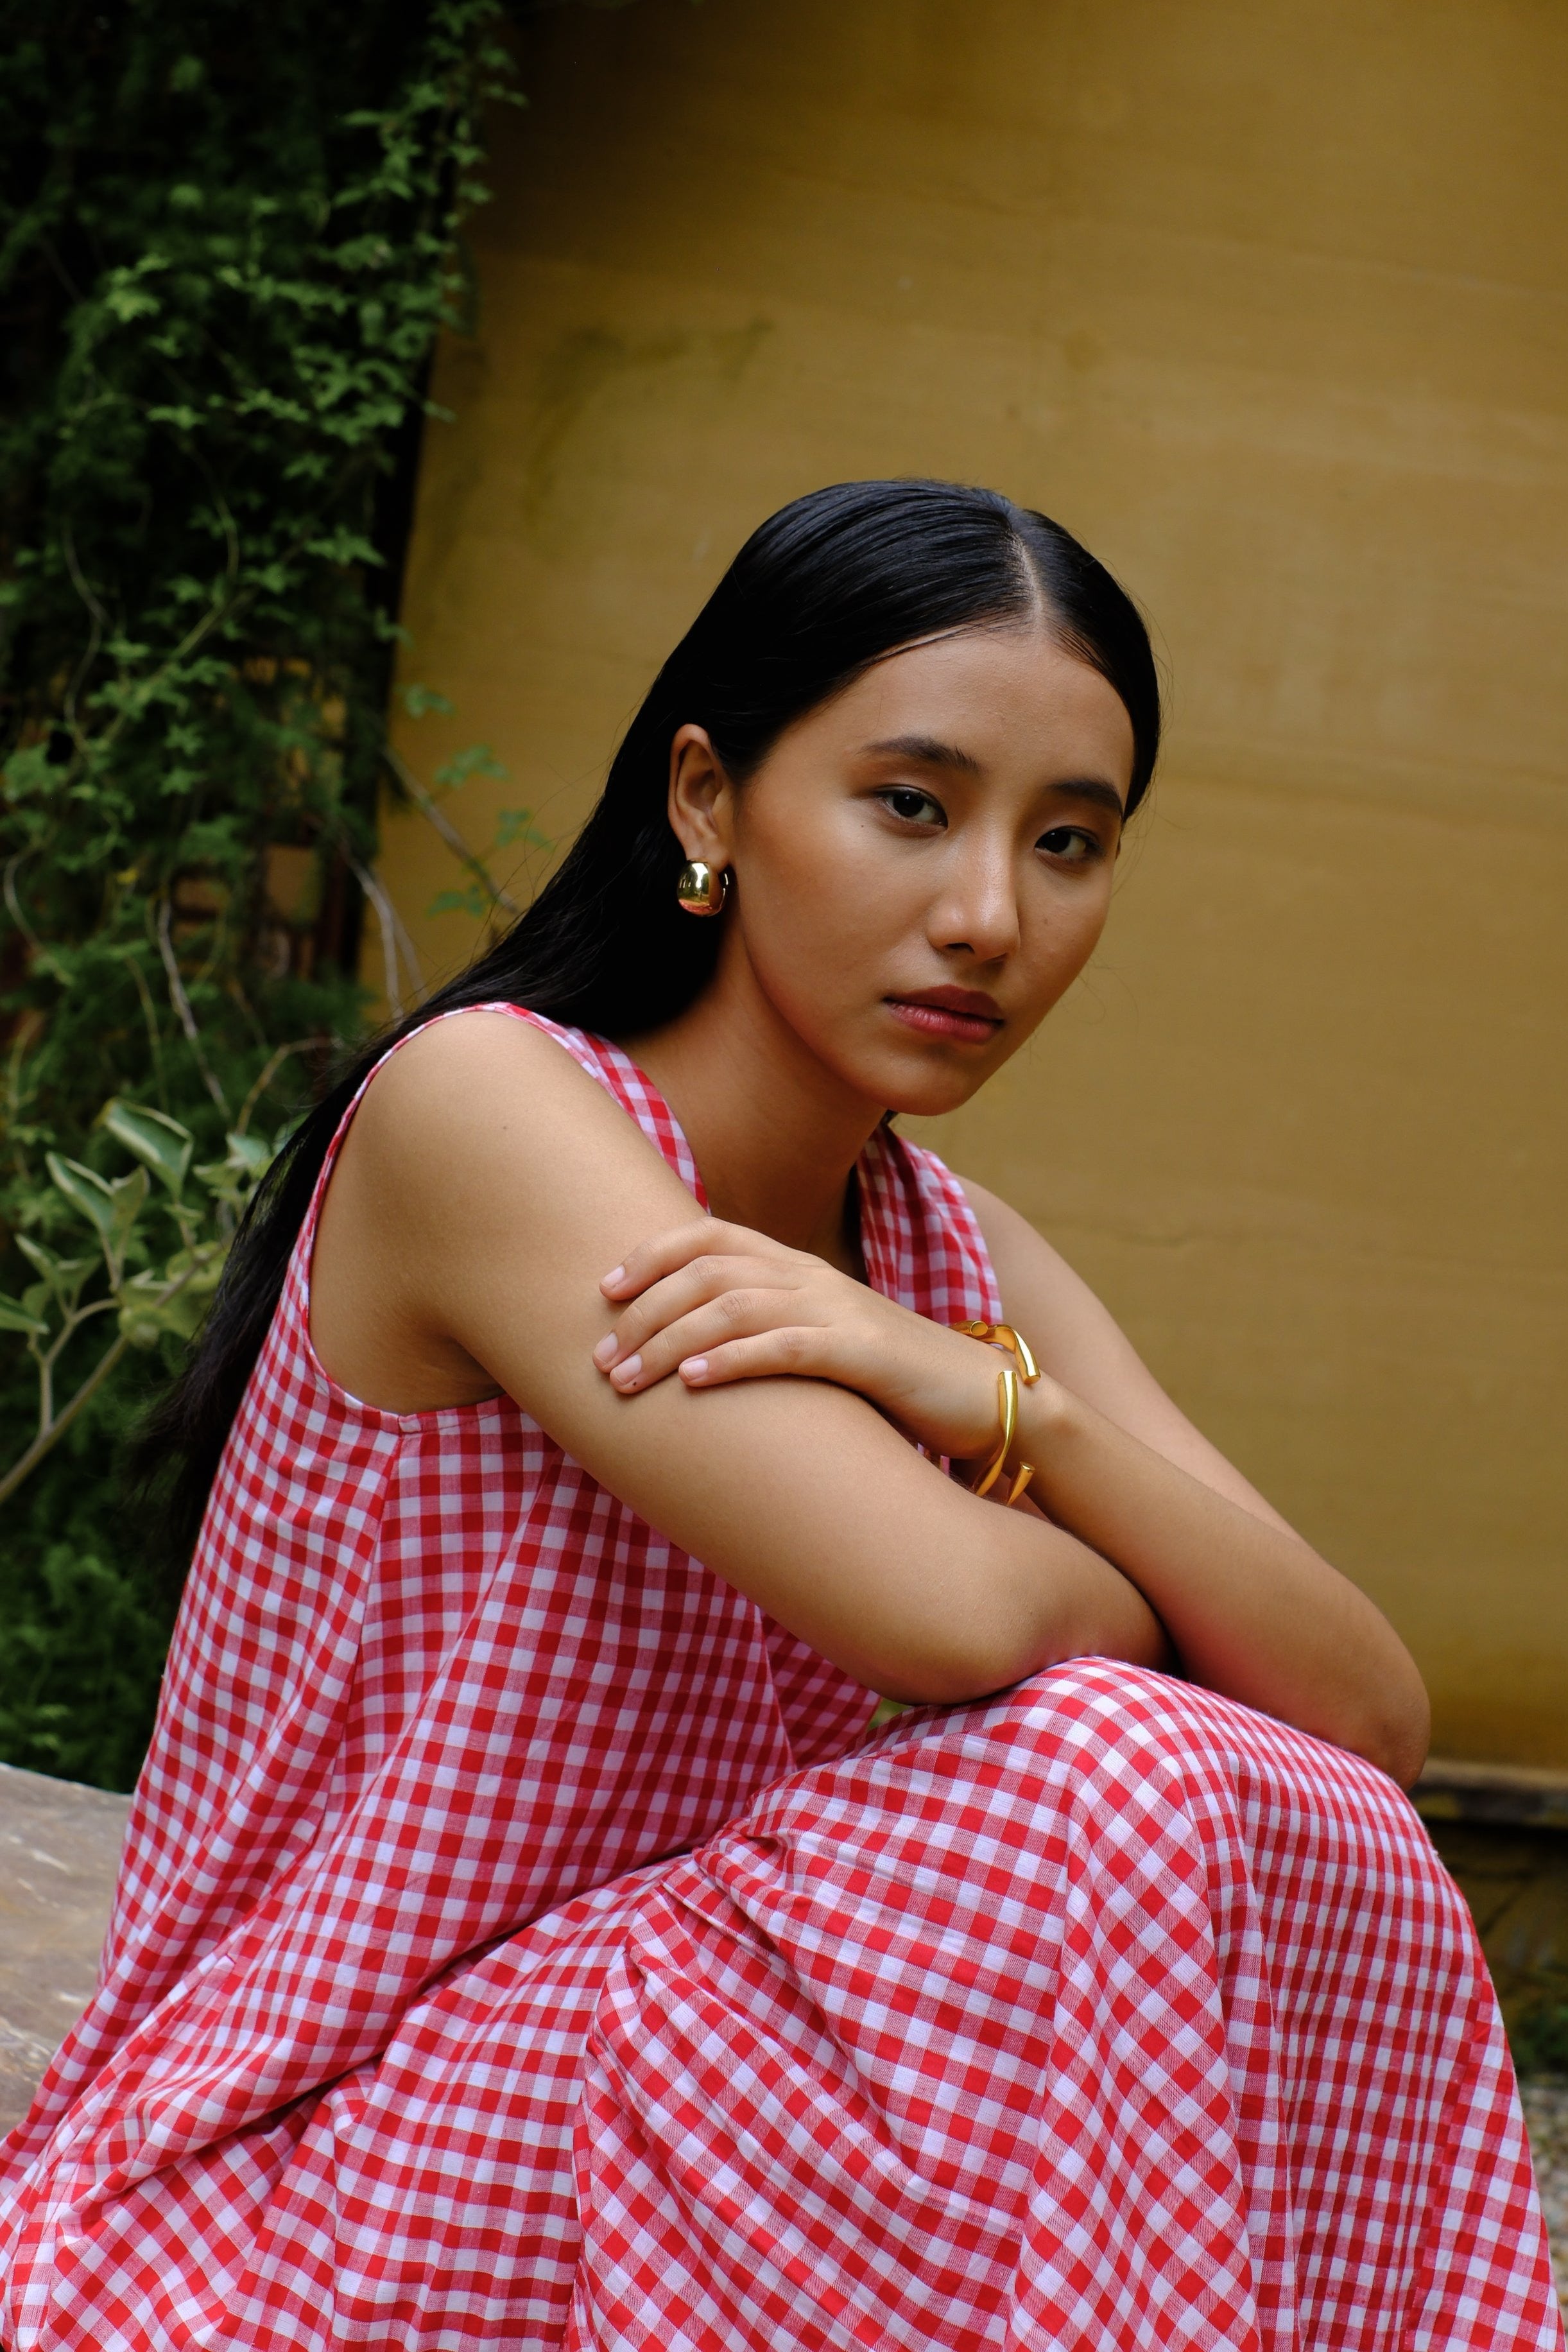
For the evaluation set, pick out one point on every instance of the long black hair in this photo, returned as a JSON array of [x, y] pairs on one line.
[[830, 585]]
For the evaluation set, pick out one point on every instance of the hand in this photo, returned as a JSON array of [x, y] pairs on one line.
[[713, 1303]]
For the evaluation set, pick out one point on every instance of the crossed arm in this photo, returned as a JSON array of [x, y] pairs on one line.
[[490, 1219]]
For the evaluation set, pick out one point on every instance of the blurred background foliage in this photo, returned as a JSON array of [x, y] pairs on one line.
[[228, 240]]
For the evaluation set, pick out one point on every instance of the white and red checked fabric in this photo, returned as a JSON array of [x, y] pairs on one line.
[[520, 1941]]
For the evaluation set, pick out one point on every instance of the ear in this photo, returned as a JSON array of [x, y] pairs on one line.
[[701, 798]]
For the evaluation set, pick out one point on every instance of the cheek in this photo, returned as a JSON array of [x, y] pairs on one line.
[[1061, 936], [818, 903]]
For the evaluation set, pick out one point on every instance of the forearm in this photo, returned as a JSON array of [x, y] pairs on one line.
[[971, 1597], [1250, 1609], [1022, 1596], [809, 1503]]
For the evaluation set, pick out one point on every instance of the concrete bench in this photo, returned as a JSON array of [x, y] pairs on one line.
[[59, 1849]]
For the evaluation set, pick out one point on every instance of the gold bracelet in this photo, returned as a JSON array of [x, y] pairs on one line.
[[1002, 1334]]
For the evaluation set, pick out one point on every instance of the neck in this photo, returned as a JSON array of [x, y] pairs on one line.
[[775, 1134]]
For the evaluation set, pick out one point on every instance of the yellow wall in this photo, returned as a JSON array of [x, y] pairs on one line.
[[1267, 300]]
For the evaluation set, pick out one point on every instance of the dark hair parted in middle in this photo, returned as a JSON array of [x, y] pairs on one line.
[[826, 587], [829, 585]]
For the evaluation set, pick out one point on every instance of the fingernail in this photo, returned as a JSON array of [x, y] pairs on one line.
[[605, 1351], [616, 1273], [695, 1367], [625, 1374]]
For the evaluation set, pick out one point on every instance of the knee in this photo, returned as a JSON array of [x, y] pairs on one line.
[[1107, 1719], [1108, 1700]]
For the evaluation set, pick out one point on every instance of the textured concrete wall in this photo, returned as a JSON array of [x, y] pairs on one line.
[[1267, 300]]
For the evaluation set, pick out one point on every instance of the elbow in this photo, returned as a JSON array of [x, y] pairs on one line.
[[1404, 1753], [940, 1681], [996, 1638], [951, 1667], [1397, 1733]]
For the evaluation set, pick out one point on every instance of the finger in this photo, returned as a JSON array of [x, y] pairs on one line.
[[665, 1302], [665, 1253], [737, 1315], [802, 1351]]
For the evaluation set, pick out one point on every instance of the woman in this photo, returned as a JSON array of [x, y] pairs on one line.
[[523, 1936]]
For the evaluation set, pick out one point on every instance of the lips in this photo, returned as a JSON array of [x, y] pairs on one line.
[[959, 1014]]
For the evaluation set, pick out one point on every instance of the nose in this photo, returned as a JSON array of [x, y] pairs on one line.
[[978, 910]]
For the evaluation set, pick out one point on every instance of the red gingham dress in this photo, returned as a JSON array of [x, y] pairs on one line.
[[521, 1940]]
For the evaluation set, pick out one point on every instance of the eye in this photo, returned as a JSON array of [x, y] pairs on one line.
[[915, 807], [1070, 844]]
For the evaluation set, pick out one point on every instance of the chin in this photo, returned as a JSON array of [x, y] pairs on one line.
[[922, 1080], [927, 1092]]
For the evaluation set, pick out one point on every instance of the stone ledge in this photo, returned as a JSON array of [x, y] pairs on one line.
[[1517, 1794], [59, 1850]]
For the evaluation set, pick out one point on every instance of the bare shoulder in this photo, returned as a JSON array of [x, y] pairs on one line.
[[486, 1071], [485, 1169], [482, 1095]]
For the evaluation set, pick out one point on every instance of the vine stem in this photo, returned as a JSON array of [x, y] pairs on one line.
[[50, 1433], [269, 1071], [181, 1005], [437, 816], [392, 937], [50, 1437]]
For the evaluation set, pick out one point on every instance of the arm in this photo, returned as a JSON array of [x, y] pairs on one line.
[[1080, 1343], [1253, 1610], [483, 1189]]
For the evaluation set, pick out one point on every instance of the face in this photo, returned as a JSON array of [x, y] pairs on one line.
[[922, 867]]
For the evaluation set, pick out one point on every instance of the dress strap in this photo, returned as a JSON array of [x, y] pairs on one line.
[[632, 1088], [922, 1241]]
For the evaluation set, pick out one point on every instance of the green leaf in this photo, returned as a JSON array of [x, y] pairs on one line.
[[130, 1194], [87, 1193], [344, 546], [29, 771], [418, 700], [251, 1154], [63, 1275], [15, 1316], [235, 1176], [160, 1142], [478, 760], [152, 1304], [129, 302], [44, 1261], [471, 901], [517, 824]]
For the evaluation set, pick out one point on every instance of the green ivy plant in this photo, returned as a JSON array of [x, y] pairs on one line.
[[228, 238], [152, 1294]]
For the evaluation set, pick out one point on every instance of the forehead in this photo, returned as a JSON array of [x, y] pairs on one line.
[[1001, 696]]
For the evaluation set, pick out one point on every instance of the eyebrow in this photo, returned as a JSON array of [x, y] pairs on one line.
[[934, 753], [1089, 788], [930, 750]]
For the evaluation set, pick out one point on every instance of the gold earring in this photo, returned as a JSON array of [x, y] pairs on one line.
[[701, 891]]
